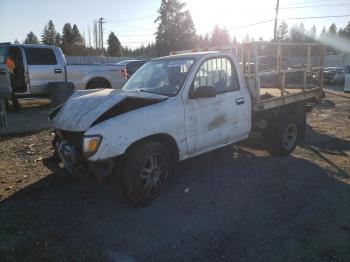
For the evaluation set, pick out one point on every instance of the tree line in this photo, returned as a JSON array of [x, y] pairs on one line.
[[175, 31], [72, 42]]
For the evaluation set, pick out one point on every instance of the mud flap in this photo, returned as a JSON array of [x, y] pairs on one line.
[[3, 118]]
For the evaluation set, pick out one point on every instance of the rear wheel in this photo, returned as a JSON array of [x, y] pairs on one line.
[[146, 172], [98, 83], [284, 139]]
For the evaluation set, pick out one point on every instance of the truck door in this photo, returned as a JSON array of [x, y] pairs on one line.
[[5, 84], [43, 67], [212, 122]]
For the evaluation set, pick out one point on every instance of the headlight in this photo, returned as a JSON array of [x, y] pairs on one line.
[[91, 144]]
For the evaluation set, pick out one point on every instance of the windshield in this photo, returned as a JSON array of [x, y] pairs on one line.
[[123, 62], [163, 77]]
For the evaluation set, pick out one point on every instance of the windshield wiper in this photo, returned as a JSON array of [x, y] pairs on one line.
[[147, 91]]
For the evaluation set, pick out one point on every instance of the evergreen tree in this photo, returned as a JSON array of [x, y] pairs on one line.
[[220, 37], [77, 38], [246, 39], [114, 46], [332, 29], [282, 32], [204, 41], [31, 38], [234, 40], [332, 32], [313, 32], [346, 30], [67, 39], [297, 33], [49, 34], [58, 40], [176, 29]]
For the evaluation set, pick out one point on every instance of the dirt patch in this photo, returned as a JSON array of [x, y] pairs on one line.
[[228, 205], [32, 116]]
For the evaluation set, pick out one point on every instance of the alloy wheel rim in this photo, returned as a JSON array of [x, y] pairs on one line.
[[290, 136], [153, 176]]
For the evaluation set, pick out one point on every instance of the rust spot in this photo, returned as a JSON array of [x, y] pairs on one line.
[[217, 122]]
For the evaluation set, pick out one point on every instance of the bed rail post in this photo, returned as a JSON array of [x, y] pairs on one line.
[[283, 83], [308, 67], [256, 72], [322, 65]]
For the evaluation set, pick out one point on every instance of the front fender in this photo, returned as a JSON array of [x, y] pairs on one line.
[[120, 132]]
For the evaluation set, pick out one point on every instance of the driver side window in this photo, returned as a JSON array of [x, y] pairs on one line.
[[219, 73]]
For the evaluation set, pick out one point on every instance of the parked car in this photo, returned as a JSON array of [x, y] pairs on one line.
[[37, 65], [130, 66], [332, 75], [347, 69], [172, 109]]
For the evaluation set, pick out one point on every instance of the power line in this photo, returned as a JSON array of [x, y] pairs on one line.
[[307, 2], [131, 35], [131, 19], [312, 6], [133, 27], [288, 18], [138, 42], [248, 25], [316, 17]]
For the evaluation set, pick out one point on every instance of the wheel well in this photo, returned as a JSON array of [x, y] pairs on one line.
[[98, 79], [168, 141]]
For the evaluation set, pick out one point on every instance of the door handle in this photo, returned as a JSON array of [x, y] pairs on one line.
[[240, 101], [2, 71], [57, 71]]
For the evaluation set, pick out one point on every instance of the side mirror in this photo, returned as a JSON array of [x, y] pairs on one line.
[[205, 92]]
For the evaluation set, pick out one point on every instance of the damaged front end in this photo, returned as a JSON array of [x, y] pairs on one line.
[[73, 149], [81, 112], [68, 148]]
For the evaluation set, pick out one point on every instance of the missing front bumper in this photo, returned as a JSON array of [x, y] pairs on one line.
[[68, 155]]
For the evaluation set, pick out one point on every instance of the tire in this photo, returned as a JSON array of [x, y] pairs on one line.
[[284, 139], [146, 172], [55, 142], [97, 83]]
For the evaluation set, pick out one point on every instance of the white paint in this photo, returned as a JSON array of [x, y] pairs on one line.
[[197, 125], [84, 107]]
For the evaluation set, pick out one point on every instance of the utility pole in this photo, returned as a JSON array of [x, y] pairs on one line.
[[101, 22], [276, 19]]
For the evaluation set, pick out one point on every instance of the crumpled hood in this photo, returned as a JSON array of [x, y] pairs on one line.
[[82, 109]]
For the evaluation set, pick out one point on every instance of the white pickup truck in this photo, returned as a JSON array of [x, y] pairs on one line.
[[37, 65], [172, 109]]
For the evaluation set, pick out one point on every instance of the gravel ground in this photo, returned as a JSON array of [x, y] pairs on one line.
[[31, 117], [228, 205]]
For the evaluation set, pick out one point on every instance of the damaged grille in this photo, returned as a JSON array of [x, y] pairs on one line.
[[73, 138]]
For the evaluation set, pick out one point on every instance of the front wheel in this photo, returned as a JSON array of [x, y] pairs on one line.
[[98, 83], [146, 172], [284, 139]]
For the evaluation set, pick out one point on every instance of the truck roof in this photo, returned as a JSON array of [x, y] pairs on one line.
[[34, 45], [188, 55]]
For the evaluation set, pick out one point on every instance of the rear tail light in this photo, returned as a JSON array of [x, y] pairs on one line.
[[124, 73]]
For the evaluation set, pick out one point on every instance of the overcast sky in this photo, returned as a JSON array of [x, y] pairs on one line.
[[133, 21]]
